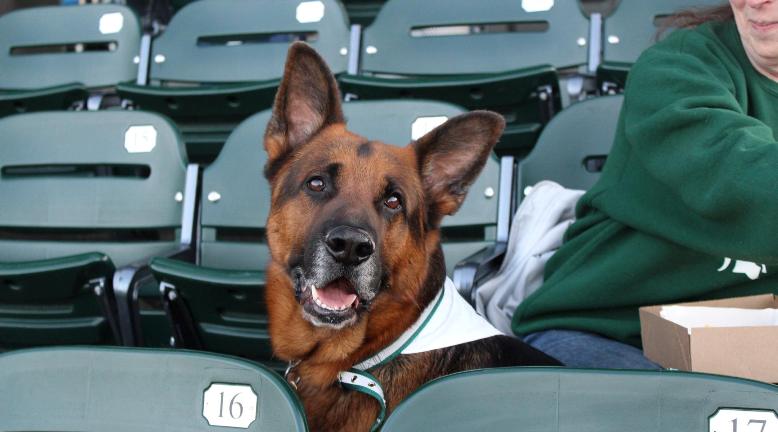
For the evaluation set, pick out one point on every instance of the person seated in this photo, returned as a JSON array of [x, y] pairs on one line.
[[687, 205]]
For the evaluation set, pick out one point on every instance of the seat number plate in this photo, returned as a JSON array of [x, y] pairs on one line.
[[743, 420], [230, 405], [140, 139]]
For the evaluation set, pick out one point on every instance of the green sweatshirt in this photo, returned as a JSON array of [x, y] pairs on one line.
[[687, 205]]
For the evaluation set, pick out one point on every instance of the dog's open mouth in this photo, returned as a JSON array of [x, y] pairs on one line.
[[337, 296], [334, 304]]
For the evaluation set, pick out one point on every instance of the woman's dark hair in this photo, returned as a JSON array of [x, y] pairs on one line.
[[689, 18]]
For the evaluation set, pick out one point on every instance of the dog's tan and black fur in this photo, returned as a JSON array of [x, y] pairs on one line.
[[356, 222]]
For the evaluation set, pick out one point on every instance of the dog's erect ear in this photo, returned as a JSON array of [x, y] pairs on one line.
[[452, 155], [307, 100]]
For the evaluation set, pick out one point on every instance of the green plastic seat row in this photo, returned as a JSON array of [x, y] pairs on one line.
[[497, 56], [562, 399], [138, 390], [217, 303], [83, 194], [128, 390], [53, 57], [218, 62], [631, 28]]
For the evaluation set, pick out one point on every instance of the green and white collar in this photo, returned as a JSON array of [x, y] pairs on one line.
[[447, 321]]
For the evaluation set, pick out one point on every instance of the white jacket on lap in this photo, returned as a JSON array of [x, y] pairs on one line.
[[536, 233]]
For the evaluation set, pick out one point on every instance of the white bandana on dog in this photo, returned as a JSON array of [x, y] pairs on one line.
[[447, 321]]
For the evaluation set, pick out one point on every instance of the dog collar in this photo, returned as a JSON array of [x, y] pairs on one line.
[[447, 321], [396, 348], [364, 382], [358, 379]]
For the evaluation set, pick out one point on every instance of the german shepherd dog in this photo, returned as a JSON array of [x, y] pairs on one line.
[[354, 236]]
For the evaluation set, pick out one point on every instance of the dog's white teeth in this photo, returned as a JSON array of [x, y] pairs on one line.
[[316, 299], [328, 307]]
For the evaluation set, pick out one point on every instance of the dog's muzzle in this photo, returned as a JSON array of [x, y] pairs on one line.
[[339, 277]]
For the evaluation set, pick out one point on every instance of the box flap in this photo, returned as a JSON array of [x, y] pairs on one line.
[[705, 316], [761, 301]]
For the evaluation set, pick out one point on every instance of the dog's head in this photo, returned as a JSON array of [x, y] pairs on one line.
[[354, 222]]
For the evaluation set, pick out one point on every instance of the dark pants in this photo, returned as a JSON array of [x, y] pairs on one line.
[[588, 350]]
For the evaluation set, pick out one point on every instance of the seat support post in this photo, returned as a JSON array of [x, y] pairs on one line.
[[143, 59], [595, 42], [504, 204], [189, 210]]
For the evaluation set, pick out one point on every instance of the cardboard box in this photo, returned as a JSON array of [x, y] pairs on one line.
[[747, 352]]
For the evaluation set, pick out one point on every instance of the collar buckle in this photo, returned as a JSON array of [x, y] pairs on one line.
[[292, 378]]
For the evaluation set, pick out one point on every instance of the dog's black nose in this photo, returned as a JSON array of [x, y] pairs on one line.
[[349, 245]]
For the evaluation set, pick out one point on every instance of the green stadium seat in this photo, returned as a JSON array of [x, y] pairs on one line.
[[475, 56], [83, 194], [631, 28], [573, 147], [562, 399], [218, 62], [217, 304], [98, 389], [54, 57], [571, 151]]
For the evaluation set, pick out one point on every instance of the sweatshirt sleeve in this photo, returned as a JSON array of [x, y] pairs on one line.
[[716, 166]]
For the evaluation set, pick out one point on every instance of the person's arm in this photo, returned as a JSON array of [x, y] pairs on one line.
[[718, 166]]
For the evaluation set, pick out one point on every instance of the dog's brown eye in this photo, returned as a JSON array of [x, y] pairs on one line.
[[393, 202], [316, 184]]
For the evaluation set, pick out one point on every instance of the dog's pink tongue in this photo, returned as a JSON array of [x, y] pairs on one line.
[[338, 294]]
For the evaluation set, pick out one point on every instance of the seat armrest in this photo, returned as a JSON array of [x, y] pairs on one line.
[[49, 98], [126, 281], [178, 270], [471, 271], [205, 101], [25, 268]]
